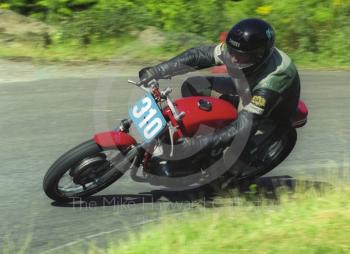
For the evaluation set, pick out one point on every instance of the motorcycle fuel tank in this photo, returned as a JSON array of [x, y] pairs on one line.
[[203, 114]]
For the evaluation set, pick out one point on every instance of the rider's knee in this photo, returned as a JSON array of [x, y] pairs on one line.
[[195, 86]]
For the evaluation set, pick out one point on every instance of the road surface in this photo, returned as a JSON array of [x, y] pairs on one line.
[[40, 119]]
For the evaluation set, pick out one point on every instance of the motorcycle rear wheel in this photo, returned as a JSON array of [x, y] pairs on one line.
[[83, 166], [274, 152]]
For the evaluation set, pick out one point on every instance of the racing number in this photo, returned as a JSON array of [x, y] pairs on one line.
[[153, 125]]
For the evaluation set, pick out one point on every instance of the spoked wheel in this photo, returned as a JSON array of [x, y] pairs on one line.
[[274, 151], [78, 172]]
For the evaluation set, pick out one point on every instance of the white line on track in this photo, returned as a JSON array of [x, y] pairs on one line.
[[94, 236]]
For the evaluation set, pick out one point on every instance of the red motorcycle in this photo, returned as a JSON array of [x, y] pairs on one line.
[[95, 164]]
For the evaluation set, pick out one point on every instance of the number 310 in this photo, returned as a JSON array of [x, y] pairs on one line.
[[153, 124]]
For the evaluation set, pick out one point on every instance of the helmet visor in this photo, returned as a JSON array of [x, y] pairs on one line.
[[244, 59]]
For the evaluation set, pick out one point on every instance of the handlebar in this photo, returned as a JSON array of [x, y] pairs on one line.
[[140, 83], [147, 85]]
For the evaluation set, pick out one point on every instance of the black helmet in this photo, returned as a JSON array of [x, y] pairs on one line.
[[250, 44]]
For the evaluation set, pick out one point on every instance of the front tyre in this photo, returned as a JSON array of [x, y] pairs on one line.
[[76, 174]]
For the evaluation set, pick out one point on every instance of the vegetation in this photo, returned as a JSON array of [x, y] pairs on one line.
[[314, 31], [308, 223]]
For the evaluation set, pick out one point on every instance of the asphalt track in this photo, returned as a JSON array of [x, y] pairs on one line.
[[39, 120]]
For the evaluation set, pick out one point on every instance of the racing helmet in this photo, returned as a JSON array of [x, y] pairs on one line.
[[250, 43]]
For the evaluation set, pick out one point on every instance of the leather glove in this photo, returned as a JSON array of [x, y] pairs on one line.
[[147, 74]]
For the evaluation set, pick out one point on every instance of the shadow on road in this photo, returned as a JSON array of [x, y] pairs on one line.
[[267, 187]]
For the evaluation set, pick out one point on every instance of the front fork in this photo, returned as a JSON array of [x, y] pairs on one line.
[[144, 158]]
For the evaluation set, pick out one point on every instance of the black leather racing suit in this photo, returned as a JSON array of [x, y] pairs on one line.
[[274, 88]]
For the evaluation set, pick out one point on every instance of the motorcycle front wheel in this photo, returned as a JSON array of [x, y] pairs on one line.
[[77, 173]]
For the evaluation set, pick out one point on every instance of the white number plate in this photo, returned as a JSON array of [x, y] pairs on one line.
[[147, 118]]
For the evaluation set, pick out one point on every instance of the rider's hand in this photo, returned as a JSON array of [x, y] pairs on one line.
[[147, 74]]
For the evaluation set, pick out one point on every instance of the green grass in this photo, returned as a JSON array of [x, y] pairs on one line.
[[129, 50], [303, 223], [308, 221], [124, 50], [62, 52]]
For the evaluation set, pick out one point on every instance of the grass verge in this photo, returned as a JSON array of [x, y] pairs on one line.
[[129, 50], [302, 223]]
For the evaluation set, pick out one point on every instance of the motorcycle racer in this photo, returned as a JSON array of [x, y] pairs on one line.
[[272, 78]]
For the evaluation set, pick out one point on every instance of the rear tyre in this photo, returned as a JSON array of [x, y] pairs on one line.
[[274, 151], [82, 166]]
